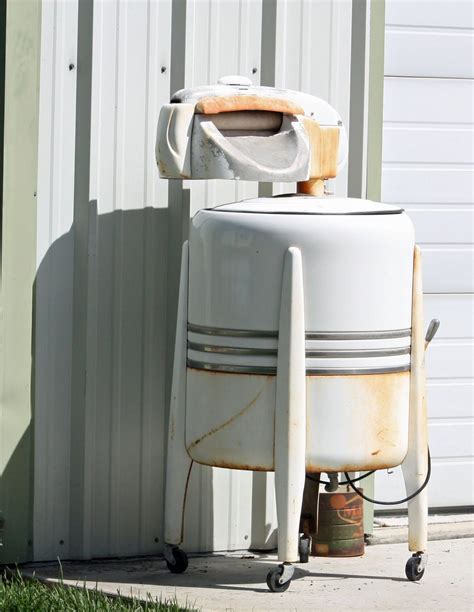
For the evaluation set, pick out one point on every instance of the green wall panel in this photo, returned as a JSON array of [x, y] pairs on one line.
[[23, 23]]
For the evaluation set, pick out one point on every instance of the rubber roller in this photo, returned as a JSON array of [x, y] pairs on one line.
[[247, 121]]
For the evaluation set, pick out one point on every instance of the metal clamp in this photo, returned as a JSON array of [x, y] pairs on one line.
[[423, 557], [168, 553], [333, 484], [287, 572], [304, 547]]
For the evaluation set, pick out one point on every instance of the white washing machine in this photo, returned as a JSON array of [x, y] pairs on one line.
[[300, 344]]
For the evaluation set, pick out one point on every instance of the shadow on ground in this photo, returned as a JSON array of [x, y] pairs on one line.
[[230, 572]]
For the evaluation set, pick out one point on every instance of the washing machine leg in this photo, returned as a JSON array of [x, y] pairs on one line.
[[415, 465], [290, 415], [179, 463]]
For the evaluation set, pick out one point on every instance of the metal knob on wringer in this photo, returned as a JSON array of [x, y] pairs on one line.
[[299, 341]]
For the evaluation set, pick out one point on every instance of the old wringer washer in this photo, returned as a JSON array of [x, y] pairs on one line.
[[299, 341]]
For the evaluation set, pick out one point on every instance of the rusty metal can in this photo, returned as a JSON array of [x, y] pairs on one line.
[[340, 530]]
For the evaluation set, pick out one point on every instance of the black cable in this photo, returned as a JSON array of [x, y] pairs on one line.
[[391, 503], [326, 482]]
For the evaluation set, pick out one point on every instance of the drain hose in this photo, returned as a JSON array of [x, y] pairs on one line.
[[390, 503]]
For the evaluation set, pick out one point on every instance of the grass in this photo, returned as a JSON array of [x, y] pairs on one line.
[[18, 594]]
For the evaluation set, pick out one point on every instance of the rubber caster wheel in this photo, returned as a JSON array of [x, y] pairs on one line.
[[414, 569], [273, 580], [180, 561]]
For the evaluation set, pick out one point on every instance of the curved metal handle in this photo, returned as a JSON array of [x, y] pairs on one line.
[[431, 331]]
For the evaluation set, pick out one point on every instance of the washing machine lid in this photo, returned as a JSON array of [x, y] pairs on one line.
[[297, 204]]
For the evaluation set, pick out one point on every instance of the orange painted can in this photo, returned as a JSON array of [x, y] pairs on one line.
[[340, 526]]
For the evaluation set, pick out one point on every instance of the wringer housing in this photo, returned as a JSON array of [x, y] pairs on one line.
[[299, 341]]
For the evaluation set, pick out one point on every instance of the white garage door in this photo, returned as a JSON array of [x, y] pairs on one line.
[[428, 168]]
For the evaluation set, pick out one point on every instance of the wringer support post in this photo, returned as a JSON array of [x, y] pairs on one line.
[[290, 414], [178, 467], [415, 465]]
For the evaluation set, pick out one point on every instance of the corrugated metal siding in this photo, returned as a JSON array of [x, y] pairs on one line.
[[221, 38], [100, 397], [54, 280], [428, 169], [126, 365], [313, 54]]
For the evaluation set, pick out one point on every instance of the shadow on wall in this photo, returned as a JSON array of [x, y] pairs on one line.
[[101, 406], [102, 400], [16, 543]]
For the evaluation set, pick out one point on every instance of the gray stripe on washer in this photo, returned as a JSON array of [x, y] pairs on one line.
[[232, 350], [330, 353], [232, 369], [235, 333], [341, 353], [356, 371], [342, 335], [271, 371]]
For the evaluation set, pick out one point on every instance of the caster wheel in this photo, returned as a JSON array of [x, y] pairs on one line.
[[414, 569], [180, 561], [273, 580]]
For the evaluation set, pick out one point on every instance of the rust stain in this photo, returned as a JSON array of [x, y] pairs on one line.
[[162, 167], [379, 395], [224, 104], [314, 187], [229, 421], [234, 465], [382, 393], [345, 548], [166, 172], [383, 388], [312, 468], [321, 550], [172, 427], [324, 154], [413, 543], [332, 533]]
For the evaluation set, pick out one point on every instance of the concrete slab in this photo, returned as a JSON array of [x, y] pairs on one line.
[[393, 529], [237, 581], [433, 520]]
